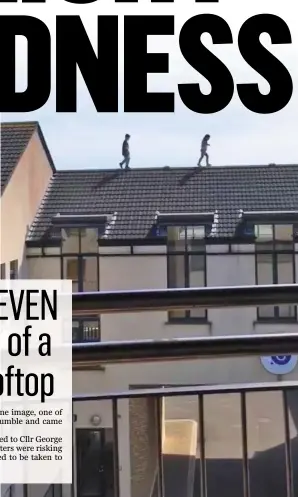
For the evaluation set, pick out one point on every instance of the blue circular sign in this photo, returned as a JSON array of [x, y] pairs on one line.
[[281, 360], [279, 364]]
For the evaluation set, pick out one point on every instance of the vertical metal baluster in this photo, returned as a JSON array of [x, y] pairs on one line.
[[288, 452], [245, 460], [203, 472], [160, 473], [115, 448]]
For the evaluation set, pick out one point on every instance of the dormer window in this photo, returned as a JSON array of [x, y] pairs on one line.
[[266, 226], [263, 232], [284, 232], [80, 232], [274, 232], [71, 232], [179, 228], [186, 238], [192, 232]]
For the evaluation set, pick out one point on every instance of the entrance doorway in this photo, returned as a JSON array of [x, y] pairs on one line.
[[95, 462]]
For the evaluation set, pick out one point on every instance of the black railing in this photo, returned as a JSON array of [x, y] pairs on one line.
[[212, 469], [186, 298], [185, 348], [269, 470], [183, 298]]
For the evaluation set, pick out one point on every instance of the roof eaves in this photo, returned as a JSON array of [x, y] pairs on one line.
[[46, 149]]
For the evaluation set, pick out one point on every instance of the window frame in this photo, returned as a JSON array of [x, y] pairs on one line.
[[273, 248], [79, 256], [14, 269], [81, 321], [3, 271], [81, 232], [186, 252], [82, 263]]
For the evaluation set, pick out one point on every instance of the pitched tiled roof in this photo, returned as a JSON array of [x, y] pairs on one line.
[[15, 137], [137, 194]]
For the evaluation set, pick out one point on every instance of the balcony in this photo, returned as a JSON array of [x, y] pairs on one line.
[[186, 440]]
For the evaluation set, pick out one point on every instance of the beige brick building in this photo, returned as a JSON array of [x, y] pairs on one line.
[[147, 229]]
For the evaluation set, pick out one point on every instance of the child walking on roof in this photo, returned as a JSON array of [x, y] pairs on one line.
[[125, 153], [204, 146]]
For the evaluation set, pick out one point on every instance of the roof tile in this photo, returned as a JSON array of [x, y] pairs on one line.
[[137, 194], [14, 139]]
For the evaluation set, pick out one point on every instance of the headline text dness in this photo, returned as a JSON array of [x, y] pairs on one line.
[[100, 70]]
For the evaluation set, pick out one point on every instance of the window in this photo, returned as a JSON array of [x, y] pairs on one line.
[[14, 270], [80, 259], [187, 266], [75, 232], [192, 232], [80, 240], [274, 233], [275, 264], [86, 330], [2, 271], [72, 269], [83, 271]]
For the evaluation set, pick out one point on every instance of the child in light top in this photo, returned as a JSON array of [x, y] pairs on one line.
[[204, 146]]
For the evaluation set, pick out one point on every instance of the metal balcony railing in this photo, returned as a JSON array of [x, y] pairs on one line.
[[218, 459], [242, 438], [185, 298]]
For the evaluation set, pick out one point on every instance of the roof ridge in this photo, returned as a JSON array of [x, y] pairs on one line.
[[19, 123], [176, 168]]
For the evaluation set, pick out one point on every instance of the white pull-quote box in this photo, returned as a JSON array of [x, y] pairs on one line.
[[36, 381]]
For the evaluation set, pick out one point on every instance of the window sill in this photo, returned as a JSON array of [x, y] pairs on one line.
[[88, 367], [275, 321], [189, 321]]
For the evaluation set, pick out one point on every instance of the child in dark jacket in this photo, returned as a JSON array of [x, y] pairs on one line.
[[125, 153]]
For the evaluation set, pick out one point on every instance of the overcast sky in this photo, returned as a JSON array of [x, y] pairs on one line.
[[91, 140]]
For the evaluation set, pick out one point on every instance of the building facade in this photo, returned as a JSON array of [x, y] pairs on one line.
[[151, 229]]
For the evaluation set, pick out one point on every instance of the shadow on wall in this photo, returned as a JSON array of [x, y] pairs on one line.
[[267, 475], [176, 469], [267, 469]]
